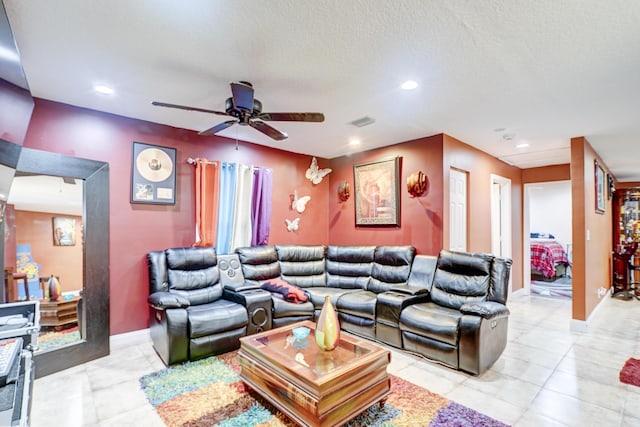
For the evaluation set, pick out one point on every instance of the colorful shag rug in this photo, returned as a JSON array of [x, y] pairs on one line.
[[209, 392], [630, 373], [54, 339]]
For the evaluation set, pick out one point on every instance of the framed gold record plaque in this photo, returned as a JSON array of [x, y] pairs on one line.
[[153, 174]]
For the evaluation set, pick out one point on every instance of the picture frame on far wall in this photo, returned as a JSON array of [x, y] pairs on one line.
[[153, 174], [600, 188], [377, 192], [64, 231]]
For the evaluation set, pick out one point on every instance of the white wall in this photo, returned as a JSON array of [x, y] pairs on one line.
[[550, 210]]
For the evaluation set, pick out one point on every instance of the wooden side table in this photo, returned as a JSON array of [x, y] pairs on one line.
[[58, 314]]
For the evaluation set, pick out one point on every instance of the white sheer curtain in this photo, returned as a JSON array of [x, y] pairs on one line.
[[241, 230]]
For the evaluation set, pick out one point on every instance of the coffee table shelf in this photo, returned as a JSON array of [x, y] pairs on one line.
[[311, 386]]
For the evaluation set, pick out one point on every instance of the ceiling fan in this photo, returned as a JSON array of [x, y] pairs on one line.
[[247, 110]]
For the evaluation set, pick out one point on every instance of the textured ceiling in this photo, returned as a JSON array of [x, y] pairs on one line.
[[492, 73]]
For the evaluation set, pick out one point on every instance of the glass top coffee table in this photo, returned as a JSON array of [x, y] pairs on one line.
[[311, 386]]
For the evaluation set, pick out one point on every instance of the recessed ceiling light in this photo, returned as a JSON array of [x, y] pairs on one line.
[[105, 90], [409, 85], [522, 145], [354, 142]]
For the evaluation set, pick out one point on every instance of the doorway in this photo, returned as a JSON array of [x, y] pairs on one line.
[[547, 240]]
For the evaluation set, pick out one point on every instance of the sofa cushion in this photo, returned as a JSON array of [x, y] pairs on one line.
[[215, 317], [358, 303], [392, 266], [259, 263], [193, 273], [349, 267], [432, 321], [317, 295], [283, 308], [303, 266], [191, 258], [461, 278]]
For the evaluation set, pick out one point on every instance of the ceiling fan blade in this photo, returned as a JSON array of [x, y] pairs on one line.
[[271, 132], [184, 107], [242, 96], [292, 117], [219, 127]]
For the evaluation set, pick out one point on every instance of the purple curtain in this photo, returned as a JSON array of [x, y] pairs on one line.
[[261, 206]]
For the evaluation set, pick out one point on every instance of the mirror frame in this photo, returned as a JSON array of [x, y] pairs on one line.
[[95, 340]]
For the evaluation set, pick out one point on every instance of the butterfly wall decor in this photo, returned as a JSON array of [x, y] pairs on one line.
[[314, 173], [292, 225], [299, 204]]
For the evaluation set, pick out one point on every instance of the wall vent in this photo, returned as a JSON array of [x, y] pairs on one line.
[[363, 121]]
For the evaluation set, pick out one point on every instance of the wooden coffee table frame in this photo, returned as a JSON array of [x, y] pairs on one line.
[[330, 390]]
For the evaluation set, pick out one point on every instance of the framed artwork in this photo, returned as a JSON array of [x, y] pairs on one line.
[[64, 231], [600, 188], [377, 192], [153, 174]]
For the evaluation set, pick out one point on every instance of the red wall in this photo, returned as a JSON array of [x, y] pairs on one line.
[[421, 217], [136, 229]]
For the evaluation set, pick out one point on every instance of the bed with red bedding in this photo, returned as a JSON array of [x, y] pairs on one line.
[[546, 256]]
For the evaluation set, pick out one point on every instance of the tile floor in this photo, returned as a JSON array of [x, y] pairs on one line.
[[547, 376]]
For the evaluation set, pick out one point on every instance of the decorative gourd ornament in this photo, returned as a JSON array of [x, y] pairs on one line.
[[54, 288]]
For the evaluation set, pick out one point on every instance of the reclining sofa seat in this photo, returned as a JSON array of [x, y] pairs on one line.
[[389, 268], [464, 322], [261, 263], [348, 269], [189, 318]]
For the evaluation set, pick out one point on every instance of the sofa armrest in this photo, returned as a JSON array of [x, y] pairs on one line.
[[409, 290], [259, 307], [389, 304], [241, 287], [485, 309], [165, 300]]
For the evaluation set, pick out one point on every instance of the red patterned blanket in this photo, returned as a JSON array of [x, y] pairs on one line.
[[545, 256]]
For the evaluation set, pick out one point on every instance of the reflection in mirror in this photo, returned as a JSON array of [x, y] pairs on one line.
[[44, 231]]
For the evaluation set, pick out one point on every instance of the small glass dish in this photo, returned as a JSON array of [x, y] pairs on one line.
[[301, 332]]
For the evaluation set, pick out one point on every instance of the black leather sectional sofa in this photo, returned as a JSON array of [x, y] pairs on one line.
[[450, 308]]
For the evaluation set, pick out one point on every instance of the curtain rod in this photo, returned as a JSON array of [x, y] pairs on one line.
[[192, 161]]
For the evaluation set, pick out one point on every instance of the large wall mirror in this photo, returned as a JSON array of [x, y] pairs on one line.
[[16, 106], [91, 236]]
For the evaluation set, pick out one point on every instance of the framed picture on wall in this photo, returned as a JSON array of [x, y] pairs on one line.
[[64, 231], [153, 174], [600, 188], [377, 192]]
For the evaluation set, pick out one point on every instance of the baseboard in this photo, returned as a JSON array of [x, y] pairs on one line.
[[130, 338], [582, 326]]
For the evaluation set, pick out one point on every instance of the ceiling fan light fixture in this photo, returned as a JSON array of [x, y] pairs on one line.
[[409, 85], [103, 89]]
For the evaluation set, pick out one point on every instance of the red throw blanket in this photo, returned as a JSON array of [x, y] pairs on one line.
[[288, 291]]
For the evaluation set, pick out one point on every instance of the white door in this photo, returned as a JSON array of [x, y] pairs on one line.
[[457, 210], [500, 216]]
